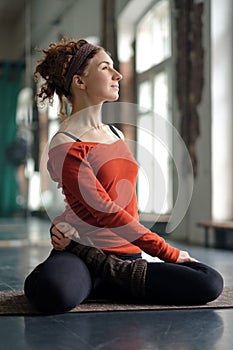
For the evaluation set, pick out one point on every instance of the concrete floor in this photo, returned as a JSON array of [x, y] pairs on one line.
[[23, 244]]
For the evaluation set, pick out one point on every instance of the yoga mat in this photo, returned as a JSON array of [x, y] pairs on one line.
[[14, 302]]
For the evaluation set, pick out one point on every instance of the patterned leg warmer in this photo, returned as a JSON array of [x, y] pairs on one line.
[[126, 274]]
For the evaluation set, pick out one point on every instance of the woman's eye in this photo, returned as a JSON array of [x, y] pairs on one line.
[[105, 67]]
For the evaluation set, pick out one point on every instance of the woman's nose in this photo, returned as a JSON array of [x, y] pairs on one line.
[[118, 76]]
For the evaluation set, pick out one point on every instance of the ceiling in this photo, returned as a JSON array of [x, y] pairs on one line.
[[10, 10], [38, 17]]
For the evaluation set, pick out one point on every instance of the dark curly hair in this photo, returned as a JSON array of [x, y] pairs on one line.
[[53, 68]]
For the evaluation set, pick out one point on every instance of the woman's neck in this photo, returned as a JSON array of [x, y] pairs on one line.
[[86, 116], [83, 120]]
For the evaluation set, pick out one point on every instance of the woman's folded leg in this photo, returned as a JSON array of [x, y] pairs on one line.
[[59, 283], [186, 283]]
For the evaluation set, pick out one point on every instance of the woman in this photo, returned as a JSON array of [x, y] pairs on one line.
[[97, 173]]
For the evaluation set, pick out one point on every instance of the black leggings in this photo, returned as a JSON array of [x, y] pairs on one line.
[[63, 281], [182, 284]]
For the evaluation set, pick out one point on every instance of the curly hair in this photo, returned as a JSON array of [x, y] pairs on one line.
[[53, 68]]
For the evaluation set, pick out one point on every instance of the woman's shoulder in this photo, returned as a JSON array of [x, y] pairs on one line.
[[59, 139], [63, 146], [118, 132]]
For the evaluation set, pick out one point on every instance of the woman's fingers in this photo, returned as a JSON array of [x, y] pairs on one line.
[[61, 235], [184, 257], [66, 229], [59, 242]]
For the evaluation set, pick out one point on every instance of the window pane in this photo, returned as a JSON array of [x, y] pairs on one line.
[[161, 32], [144, 146], [145, 96], [163, 140], [53, 117], [161, 94], [144, 44], [145, 161], [153, 43], [53, 109], [154, 143]]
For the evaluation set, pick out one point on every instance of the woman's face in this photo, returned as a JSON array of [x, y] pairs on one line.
[[101, 80]]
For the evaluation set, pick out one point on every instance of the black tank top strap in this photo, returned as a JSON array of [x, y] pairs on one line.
[[78, 140], [114, 130], [70, 135]]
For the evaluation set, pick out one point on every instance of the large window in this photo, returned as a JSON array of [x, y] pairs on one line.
[[153, 66]]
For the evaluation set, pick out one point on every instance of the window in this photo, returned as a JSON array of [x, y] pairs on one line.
[[153, 66], [222, 110]]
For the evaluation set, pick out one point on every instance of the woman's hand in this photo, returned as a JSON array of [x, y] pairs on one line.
[[62, 234], [184, 257]]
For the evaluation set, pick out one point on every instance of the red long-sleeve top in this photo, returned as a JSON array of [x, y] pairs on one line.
[[99, 184]]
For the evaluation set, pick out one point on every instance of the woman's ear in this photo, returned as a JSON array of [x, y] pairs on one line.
[[77, 80]]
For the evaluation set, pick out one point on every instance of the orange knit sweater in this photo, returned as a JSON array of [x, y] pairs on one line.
[[99, 185]]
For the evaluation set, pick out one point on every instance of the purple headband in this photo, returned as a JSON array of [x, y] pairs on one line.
[[77, 61]]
